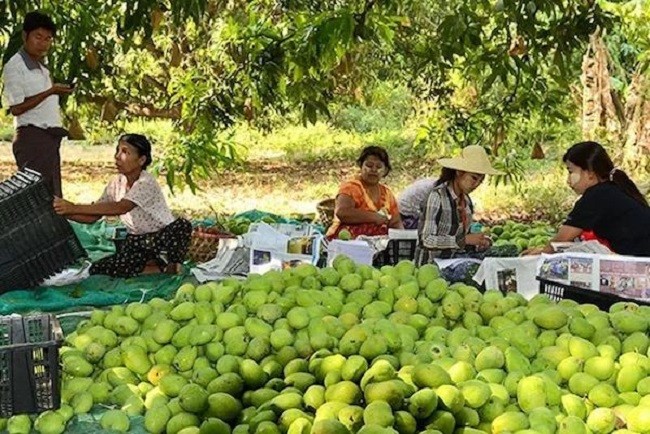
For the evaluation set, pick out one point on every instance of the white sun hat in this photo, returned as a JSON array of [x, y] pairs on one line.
[[473, 159]]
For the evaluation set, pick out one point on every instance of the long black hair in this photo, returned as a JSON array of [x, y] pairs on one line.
[[593, 157], [446, 175]]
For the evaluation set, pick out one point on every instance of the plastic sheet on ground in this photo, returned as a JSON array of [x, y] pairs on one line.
[[93, 238]]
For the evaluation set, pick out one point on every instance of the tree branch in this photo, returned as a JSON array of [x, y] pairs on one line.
[[139, 109], [155, 83]]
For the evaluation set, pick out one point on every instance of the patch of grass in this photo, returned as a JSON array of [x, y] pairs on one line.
[[6, 133], [6, 127], [322, 142]]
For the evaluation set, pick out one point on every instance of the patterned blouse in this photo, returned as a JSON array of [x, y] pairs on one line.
[[441, 232], [151, 213]]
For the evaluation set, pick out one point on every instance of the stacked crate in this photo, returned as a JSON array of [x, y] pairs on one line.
[[30, 378], [35, 242]]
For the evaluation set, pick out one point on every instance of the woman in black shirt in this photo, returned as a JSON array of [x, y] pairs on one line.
[[611, 206]]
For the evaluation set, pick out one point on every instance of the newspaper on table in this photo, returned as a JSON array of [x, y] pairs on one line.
[[282, 246], [624, 276], [231, 260], [361, 250], [591, 246], [519, 274]]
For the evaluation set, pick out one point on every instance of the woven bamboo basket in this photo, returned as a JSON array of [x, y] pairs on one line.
[[204, 244]]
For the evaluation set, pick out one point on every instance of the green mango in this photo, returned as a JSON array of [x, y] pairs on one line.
[[510, 421], [531, 393], [378, 413]]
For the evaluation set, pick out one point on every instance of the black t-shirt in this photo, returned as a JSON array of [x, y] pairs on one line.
[[611, 214]]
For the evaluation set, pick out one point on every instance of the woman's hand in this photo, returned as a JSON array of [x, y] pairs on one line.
[[63, 207], [481, 241], [381, 218]]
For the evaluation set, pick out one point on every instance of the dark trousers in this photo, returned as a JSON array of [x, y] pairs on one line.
[[167, 246], [39, 149]]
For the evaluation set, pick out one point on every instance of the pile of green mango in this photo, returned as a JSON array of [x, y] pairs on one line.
[[523, 236], [354, 349], [236, 226]]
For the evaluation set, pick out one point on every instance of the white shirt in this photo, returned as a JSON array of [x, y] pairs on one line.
[[410, 200], [24, 77], [151, 213]]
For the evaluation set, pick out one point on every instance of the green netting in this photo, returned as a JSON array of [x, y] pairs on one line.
[[89, 423], [93, 291], [255, 215], [70, 320]]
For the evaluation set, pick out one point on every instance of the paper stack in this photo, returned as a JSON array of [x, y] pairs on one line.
[[231, 260]]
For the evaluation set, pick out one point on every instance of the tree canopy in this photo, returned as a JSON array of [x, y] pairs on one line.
[[207, 64]]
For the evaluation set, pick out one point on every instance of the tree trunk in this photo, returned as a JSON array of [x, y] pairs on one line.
[[598, 106], [637, 113], [625, 118]]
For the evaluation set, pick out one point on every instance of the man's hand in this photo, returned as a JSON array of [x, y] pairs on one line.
[[63, 207], [61, 89], [34, 100]]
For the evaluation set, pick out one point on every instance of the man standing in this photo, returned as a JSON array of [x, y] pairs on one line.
[[34, 101]]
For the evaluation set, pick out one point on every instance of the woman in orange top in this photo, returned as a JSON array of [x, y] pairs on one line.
[[365, 206]]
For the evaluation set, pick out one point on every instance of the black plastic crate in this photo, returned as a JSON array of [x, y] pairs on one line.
[[397, 250], [20, 195], [558, 291], [30, 378], [34, 267], [36, 242]]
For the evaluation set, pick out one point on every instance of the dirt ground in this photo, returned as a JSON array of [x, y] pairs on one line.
[[273, 184]]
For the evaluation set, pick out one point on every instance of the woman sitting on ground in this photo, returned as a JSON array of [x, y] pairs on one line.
[[611, 208], [365, 206], [446, 216], [156, 241]]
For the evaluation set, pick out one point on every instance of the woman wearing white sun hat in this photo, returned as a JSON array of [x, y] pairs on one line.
[[446, 215]]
